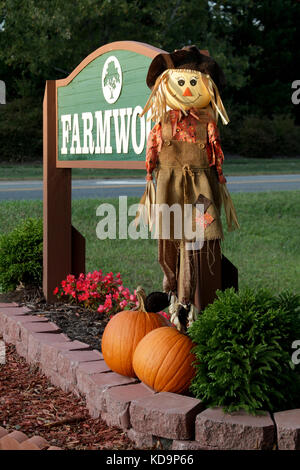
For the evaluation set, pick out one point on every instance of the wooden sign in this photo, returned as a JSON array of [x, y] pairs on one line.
[[98, 107], [91, 120]]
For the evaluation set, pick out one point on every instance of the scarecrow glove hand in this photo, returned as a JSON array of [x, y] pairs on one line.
[[193, 315], [175, 320]]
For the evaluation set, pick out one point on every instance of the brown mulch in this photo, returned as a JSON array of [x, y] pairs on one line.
[[31, 404]]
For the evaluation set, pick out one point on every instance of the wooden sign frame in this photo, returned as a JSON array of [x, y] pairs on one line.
[[137, 47], [64, 246]]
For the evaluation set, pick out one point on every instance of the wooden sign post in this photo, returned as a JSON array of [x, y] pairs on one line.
[[91, 120]]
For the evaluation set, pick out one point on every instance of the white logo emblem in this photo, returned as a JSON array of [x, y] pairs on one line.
[[111, 79]]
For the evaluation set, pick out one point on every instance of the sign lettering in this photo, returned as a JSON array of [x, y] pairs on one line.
[[98, 110]]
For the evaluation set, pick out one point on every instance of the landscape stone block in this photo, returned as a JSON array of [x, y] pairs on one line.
[[141, 439], [7, 305], [50, 351], [13, 310], [36, 340], [189, 445], [11, 325], [3, 432], [116, 402], [62, 382], [165, 414], [68, 362], [9, 443], [237, 430], [34, 443], [85, 370], [21, 348], [3, 319], [95, 384], [288, 429], [18, 436]]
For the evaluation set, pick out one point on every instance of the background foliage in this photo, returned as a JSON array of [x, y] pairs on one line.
[[255, 41]]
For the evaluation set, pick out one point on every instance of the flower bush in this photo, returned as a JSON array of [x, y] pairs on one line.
[[95, 291]]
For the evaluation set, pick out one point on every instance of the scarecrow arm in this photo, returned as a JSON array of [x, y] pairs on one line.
[[154, 144], [215, 150]]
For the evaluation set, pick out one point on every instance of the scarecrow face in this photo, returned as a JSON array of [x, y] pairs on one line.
[[186, 90]]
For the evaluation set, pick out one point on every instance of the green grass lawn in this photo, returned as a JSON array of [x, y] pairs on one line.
[[266, 249], [232, 166]]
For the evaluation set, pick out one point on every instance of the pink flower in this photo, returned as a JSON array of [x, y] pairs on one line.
[[93, 287], [123, 303]]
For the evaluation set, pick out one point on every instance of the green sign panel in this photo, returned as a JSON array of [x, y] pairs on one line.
[[98, 110]]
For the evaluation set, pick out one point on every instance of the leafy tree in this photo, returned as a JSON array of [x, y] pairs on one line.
[[265, 33], [46, 40], [112, 77]]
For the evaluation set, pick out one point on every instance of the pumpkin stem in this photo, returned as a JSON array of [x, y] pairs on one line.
[[141, 297]]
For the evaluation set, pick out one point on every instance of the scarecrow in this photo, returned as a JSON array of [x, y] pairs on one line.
[[185, 156]]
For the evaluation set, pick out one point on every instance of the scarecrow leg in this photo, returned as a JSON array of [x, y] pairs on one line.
[[208, 273], [168, 260], [199, 277]]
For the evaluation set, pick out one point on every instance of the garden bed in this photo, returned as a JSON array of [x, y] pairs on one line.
[[76, 322], [149, 419]]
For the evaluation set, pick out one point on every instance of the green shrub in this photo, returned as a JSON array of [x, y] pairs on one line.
[[243, 350], [287, 135], [21, 255], [260, 137], [257, 138]]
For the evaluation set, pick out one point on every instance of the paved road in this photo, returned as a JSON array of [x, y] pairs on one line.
[[100, 189]]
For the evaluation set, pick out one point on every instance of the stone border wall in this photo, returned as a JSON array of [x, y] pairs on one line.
[[17, 440], [164, 420]]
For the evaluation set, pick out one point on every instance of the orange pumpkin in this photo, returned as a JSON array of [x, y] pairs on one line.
[[123, 333], [163, 360]]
